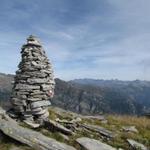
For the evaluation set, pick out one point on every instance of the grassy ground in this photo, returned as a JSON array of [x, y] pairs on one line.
[[142, 124], [115, 124], [7, 143]]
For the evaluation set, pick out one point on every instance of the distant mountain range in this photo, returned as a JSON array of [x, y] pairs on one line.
[[137, 90], [88, 96], [110, 83]]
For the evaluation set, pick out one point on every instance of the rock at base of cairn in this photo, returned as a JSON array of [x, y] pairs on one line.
[[34, 83], [27, 136]]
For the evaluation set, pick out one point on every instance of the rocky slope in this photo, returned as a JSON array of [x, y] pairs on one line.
[[101, 132], [5, 88], [94, 100], [137, 89]]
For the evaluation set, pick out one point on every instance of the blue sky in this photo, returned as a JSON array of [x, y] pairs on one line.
[[100, 39]]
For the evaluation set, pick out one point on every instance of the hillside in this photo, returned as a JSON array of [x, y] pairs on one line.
[[5, 88], [136, 90], [108, 97], [109, 132], [92, 99], [139, 90]]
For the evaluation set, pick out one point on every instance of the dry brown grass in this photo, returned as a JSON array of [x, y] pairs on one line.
[[139, 122], [116, 122]]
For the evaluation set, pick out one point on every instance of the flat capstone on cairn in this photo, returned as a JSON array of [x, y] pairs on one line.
[[33, 84]]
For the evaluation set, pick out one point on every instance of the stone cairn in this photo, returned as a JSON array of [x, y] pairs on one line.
[[33, 84]]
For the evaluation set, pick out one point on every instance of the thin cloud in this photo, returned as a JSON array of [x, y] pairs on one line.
[[95, 39]]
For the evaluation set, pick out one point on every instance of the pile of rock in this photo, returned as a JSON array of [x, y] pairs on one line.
[[34, 83]]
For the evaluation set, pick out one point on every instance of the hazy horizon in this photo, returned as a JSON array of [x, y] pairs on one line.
[[111, 79], [98, 39]]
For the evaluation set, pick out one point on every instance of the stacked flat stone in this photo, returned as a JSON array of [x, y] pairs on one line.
[[34, 83]]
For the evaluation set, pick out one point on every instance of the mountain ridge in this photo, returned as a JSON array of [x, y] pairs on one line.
[[128, 98]]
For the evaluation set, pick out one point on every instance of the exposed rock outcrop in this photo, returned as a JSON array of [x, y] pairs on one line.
[[104, 132], [27, 136], [135, 145], [92, 144]]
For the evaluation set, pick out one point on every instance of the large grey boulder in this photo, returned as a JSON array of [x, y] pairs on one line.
[[92, 144]]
